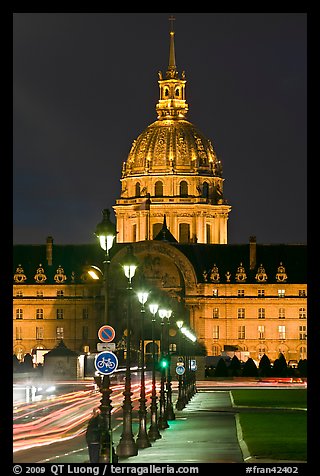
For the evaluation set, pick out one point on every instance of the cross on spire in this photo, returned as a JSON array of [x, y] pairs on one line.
[[171, 20]]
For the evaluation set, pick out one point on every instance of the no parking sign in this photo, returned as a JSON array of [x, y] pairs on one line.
[[106, 333]]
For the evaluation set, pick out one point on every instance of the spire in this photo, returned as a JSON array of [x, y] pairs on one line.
[[171, 73]]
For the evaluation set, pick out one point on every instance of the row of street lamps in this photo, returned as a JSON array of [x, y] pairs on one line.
[[127, 446]]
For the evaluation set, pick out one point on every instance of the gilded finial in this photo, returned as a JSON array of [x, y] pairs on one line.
[[172, 59]]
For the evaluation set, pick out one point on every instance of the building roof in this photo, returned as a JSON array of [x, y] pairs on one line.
[[73, 259]]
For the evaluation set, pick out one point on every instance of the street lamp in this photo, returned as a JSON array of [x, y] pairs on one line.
[[142, 439], [162, 422], [127, 445], [169, 407], [106, 232], [180, 402], [153, 432]]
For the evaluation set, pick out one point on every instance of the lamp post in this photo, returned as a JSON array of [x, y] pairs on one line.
[[169, 407], [162, 422], [106, 232], [153, 432], [142, 439], [127, 446], [180, 402]]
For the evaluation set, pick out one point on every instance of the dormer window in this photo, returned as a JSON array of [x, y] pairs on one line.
[[166, 92], [177, 92]]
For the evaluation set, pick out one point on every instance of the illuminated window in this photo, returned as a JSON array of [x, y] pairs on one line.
[[302, 332], [261, 313], [282, 332], [281, 292], [261, 332], [241, 332], [241, 313], [19, 313], [302, 313], [39, 333], [39, 314], [215, 332], [215, 350], [59, 313], [59, 333], [215, 292], [215, 313], [282, 313]]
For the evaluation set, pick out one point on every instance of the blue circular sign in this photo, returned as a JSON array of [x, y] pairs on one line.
[[180, 370], [106, 362]]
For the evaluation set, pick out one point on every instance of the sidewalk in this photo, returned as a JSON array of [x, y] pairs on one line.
[[197, 435]]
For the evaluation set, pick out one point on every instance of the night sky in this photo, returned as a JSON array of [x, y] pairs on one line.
[[85, 86]]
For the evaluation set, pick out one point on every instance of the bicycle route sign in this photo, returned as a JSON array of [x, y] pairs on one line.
[[106, 362], [180, 370], [106, 333]]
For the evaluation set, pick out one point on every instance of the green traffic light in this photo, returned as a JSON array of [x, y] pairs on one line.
[[164, 363]]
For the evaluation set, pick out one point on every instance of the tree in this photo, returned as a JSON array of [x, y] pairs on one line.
[[235, 366], [280, 368], [302, 367], [250, 369], [221, 368], [265, 369]]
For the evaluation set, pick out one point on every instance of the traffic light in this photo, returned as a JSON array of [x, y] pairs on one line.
[[164, 362]]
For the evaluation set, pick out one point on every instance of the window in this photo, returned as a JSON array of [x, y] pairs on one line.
[[208, 233], [60, 293], [40, 294], [184, 233], [137, 189], [281, 292], [183, 189], [261, 313], [282, 313], [19, 313], [215, 292], [241, 332], [85, 313], [59, 313], [241, 313], [215, 350], [282, 332], [172, 347], [156, 229], [302, 332], [302, 293], [260, 292], [261, 334], [59, 333], [215, 313], [18, 333], [134, 233], [158, 189], [215, 332], [85, 332], [39, 333], [177, 92], [303, 352], [39, 314], [302, 313], [205, 190], [19, 294], [240, 292]]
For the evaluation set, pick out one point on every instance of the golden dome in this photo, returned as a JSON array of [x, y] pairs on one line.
[[172, 146]]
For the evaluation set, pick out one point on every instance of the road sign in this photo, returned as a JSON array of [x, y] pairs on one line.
[[106, 333], [106, 346], [180, 369], [106, 363]]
